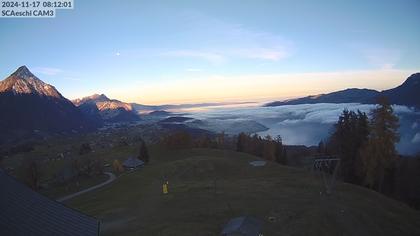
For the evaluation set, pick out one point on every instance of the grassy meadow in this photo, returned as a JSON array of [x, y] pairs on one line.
[[208, 187]]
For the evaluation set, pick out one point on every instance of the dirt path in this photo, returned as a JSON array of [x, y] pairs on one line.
[[112, 177]]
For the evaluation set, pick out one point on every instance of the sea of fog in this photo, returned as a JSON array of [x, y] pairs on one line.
[[305, 124]]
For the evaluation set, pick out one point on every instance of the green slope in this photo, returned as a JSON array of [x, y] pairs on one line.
[[135, 205]]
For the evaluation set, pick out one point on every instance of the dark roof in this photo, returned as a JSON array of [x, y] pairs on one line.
[[132, 162], [25, 212], [244, 225]]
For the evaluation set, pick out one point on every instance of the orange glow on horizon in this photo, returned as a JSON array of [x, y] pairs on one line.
[[257, 88]]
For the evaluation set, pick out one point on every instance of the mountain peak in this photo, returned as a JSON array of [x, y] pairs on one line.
[[22, 81], [95, 98], [413, 79], [27, 104], [406, 93], [101, 97], [23, 72], [103, 102], [109, 110]]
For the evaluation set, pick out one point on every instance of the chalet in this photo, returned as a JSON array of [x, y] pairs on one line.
[[243, 226], [133, 163]]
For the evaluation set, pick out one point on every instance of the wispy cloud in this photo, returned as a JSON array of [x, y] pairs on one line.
[[193, 70], [219, 41], [47, 70], [273, 54], [61, 74], [416, 138], [383, 58], [205, 55], [219, 56]]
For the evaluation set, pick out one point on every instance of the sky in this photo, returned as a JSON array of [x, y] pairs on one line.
[[160, 52]]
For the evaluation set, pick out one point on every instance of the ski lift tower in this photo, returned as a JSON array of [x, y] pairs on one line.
[[327, 167]]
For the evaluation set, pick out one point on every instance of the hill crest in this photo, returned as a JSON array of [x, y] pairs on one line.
[[405, 94]]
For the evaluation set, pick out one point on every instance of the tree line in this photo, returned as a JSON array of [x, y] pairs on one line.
[[266, 147], [183, 139], [366, 146]]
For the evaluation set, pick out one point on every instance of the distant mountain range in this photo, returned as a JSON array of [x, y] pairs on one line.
[[406, 94], [100, 108], [28, 105]]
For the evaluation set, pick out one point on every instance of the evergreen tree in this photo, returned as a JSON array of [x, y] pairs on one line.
[[379, 154], [240, 144], [349, 136], [144, 153], [256, 145], [84, 149], [280, 151], [30, 172], [361, 140], [220, 141], [268, 148]]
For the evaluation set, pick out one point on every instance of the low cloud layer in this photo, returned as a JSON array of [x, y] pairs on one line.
[[305, 124], [416, 138]]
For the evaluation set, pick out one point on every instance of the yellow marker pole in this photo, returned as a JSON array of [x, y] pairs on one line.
[[165, 188]]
